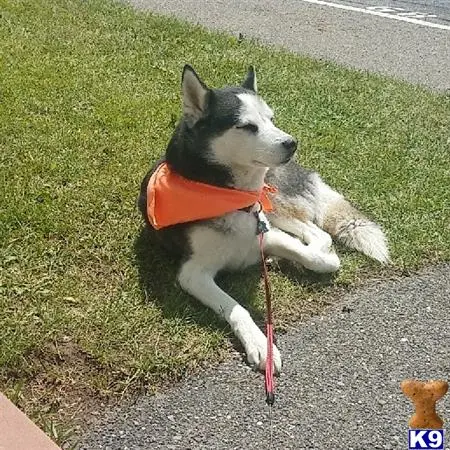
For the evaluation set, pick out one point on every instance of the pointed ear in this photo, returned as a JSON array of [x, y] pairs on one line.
[[250, 80], [194, 95]]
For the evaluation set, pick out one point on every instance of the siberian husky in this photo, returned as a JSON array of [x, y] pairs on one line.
[[227, 138]]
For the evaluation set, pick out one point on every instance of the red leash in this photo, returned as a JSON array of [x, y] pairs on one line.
[[269, 383]]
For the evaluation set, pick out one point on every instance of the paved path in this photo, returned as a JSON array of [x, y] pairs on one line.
[[412, 52], [340, 386], [339, 389]]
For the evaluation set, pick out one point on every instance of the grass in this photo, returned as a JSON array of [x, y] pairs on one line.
[[89, 309]]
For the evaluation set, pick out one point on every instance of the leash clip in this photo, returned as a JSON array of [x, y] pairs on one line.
[[261, 226]]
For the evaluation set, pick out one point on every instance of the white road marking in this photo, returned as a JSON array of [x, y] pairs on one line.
[[401, 12], [380, 14]]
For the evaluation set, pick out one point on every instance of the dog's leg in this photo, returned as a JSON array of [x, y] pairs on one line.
[[199, 282], [318, 255], [307, 231]]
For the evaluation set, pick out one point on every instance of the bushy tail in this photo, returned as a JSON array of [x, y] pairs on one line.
[[349, 226]]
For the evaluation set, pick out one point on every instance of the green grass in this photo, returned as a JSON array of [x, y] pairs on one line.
[[89, 92]]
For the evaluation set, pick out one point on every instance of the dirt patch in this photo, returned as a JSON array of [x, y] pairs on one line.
[[60, 391]]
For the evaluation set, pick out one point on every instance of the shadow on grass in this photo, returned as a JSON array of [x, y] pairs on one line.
[[158, 272], [304, 277]]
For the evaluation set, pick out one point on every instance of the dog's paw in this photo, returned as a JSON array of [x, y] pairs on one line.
[[320, 254], [317, 238], [254, 341], [321, 261], [257, 354]]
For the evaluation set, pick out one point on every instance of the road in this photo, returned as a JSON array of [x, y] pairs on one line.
[[416, 53], [433, 11], [340, 385], [339, 389]]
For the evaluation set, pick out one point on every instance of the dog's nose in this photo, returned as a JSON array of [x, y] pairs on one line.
[[290, 144]]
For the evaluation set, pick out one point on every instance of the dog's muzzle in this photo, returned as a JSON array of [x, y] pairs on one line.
[[290, 146]]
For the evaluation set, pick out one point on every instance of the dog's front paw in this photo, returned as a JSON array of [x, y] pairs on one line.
[[321, 261], [256, 351], [254, 341], [319, 252]]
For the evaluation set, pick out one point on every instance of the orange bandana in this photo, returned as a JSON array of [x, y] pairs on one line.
[[173, 199]]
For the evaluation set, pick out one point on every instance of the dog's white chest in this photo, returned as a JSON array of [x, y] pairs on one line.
[[232, 244]]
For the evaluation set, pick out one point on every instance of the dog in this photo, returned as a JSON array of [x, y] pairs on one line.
[[227, 138]]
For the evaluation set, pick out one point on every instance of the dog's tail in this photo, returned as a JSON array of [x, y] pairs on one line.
[[349, 226]]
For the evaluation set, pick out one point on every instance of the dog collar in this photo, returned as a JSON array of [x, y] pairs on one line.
[[173, 199]]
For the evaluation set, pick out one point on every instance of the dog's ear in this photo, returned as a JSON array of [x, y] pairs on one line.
[[195, 95], [250, 80]]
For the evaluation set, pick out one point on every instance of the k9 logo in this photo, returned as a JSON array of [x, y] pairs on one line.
[[426, 439]]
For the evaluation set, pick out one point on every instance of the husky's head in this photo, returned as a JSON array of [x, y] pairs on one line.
[[232, 126]]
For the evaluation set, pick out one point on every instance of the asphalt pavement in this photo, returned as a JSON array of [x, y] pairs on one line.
[[435, 11], [415, 53], [342, 370], [340, 388]]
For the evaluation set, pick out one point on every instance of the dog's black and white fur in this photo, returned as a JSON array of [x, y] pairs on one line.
[[227, 138]]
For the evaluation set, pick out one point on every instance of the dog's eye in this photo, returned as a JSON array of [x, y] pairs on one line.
[[249, 127]]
